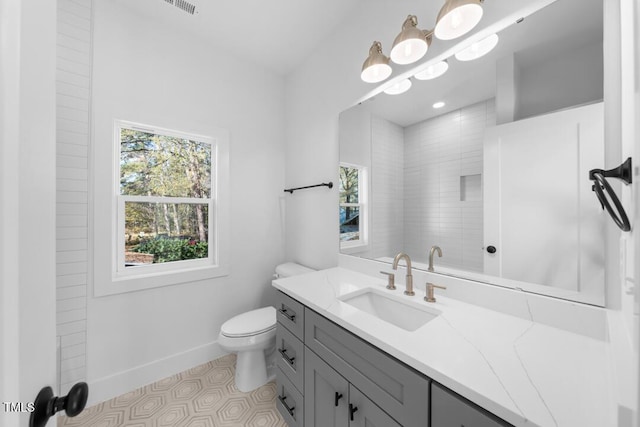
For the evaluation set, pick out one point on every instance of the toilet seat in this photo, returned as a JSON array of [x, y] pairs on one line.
[[251, 323]]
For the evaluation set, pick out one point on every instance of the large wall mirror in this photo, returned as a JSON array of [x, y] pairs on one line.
[[498, 176]]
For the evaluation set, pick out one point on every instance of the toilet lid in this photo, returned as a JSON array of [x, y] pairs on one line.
[[250, 323]]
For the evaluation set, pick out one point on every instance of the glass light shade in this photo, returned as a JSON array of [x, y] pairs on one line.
[[478, 49], [399, 87], [457, 17], [376, 67], [411, 44], [433, 71]]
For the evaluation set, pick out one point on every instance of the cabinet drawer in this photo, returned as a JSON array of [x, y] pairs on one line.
[[397, 389], [290, 356], [290, 313], [448, 409], [289, 401]]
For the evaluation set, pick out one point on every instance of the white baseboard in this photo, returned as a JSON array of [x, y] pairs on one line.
[[106, 388]]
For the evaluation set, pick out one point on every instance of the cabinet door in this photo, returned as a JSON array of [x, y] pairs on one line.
[[450, 410], [326, 394], [364, 413]]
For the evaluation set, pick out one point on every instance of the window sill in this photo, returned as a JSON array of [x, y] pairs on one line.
[[124, 284]]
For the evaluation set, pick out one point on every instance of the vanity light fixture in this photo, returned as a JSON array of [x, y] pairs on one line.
[[438, 104], [433, 71], [411, 44], [457, 17], [399, 87], [478, 49], [376, 67]]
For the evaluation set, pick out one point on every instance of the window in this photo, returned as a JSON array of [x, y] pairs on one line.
[[353, 210], [167, 222], [165, 200]]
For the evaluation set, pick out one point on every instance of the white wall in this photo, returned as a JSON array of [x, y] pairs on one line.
[[571, 77], [148, 73], [316, 92], [387, 178]]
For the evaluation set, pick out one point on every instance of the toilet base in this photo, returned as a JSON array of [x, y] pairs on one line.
[[252, 371]]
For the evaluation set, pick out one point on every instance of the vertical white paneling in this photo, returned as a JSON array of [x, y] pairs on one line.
[[73, 87], [439, 153]]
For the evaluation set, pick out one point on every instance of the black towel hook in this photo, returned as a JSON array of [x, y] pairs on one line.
[[623, 173]]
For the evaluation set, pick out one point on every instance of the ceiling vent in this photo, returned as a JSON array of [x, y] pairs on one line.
[[184, 5]]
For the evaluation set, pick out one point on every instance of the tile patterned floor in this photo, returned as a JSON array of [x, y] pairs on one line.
[[204, 396]]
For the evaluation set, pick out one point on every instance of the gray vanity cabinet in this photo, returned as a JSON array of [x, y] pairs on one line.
[[326, 394], [331, 401], [328, 377], [451, 410]]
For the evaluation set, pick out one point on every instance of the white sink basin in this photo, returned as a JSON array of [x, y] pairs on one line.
[[403, 314]]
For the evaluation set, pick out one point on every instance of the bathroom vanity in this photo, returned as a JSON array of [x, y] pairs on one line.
[[352, 353]]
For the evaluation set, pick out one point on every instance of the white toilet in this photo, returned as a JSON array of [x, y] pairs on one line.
[[253, 336]]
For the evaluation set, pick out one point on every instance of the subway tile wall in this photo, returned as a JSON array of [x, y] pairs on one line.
[[73, 89], [443, 193]]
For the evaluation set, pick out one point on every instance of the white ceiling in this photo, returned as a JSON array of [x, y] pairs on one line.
[[278, 34]]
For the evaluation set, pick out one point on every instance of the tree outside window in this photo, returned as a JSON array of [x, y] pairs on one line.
[[165, 197], [352, 207]]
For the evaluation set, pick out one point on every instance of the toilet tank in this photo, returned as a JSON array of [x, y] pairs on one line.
[[289, 269]]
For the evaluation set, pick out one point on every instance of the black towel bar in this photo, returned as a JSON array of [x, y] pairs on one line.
[[324, 184]]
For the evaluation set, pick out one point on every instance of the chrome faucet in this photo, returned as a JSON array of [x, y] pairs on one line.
[[433, 249], [409, 277]]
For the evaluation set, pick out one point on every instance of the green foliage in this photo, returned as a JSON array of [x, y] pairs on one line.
[[166, 250]]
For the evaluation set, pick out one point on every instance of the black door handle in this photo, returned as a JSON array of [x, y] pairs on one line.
[[352, 410], [338, 396], [46, 404], [491, 249]]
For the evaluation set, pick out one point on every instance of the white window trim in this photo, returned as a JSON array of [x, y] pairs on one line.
[[355, 246], [107, 233]]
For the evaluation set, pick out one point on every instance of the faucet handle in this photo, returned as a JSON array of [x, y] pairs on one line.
[[430, 294], [390, 280]]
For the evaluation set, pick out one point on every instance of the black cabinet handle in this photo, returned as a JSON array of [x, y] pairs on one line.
[[338, 396], [283, 352], [352, 410], [282, 400], [284, 312], [491, 249]]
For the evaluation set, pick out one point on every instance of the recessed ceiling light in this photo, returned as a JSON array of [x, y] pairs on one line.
[[398, 87], [478, 49], [438, 104]]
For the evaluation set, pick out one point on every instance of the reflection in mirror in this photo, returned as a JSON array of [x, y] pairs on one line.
[[497, 177]]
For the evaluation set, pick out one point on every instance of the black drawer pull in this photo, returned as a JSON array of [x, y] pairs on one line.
[[283, 352], [282, 400], [284, 312], [338, 396], [352, 410]]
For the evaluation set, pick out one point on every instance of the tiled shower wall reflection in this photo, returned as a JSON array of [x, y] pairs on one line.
[[442, 191]]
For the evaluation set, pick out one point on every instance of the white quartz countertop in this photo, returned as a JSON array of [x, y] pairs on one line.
[[526, 373]]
